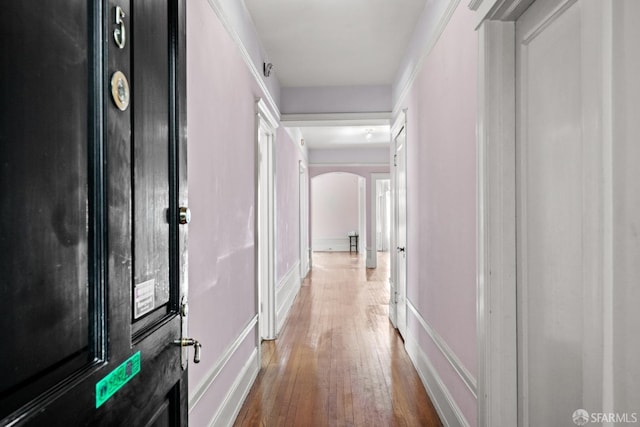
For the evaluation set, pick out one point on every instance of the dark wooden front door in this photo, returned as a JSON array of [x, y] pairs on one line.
[[92, 256]]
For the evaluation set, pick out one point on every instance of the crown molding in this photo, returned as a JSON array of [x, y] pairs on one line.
[[218, 9], [336, 119], [434, 24]]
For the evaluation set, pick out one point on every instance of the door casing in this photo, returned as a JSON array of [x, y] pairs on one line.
[[303, 200], [266, 125], [375, 177], [497, 197], [398, 285]]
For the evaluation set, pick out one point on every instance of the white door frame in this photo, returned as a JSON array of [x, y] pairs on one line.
[[496, 226], [496, 208], [375, 177], [362, 216], [399, 124], [266, 125], [303, 194]]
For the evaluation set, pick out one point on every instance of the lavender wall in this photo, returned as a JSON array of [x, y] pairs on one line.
[[441, 191], [441, 174], [363, 171], [336, 99], [239, 20], [334, 207], [287, 212], [361, 155], [221, 123]]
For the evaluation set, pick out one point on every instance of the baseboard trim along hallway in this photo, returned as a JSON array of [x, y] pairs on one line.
[[229, 408], [286, 293], [445, 405], [338, 360]]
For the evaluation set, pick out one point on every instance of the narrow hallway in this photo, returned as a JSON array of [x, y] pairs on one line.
[[338, 360]]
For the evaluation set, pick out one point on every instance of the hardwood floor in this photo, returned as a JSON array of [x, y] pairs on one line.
[[338, 360]]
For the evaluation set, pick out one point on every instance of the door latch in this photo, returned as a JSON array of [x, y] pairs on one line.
[[119, 34], [185, 342], [190, 342]]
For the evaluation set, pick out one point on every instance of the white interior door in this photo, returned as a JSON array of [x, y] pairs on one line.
[[400, 171], [563, 204]]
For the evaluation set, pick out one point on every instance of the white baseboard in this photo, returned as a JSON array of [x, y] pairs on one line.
[[225, 414], [304, 272], [306, 265], [372, 258], [392, 304], [449, 412], [336, 244], [286, 293], [446, 351], [230, 408]]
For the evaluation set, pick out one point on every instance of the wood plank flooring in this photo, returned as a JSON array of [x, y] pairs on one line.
[[338, 360]]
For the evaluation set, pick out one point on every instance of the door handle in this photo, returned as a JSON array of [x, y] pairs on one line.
[[400, 249], [190, 342], [184, 342]]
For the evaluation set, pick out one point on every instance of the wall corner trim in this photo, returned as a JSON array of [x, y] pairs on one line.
[[402, 85]]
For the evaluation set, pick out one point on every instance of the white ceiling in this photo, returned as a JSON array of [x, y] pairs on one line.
[[335, 42], [329, 137]]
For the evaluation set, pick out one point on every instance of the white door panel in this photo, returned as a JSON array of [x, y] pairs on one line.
[[576, 251], [625, 293], [561, 211]]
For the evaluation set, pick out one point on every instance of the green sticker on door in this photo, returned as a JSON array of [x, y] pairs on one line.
[[116, 379]]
